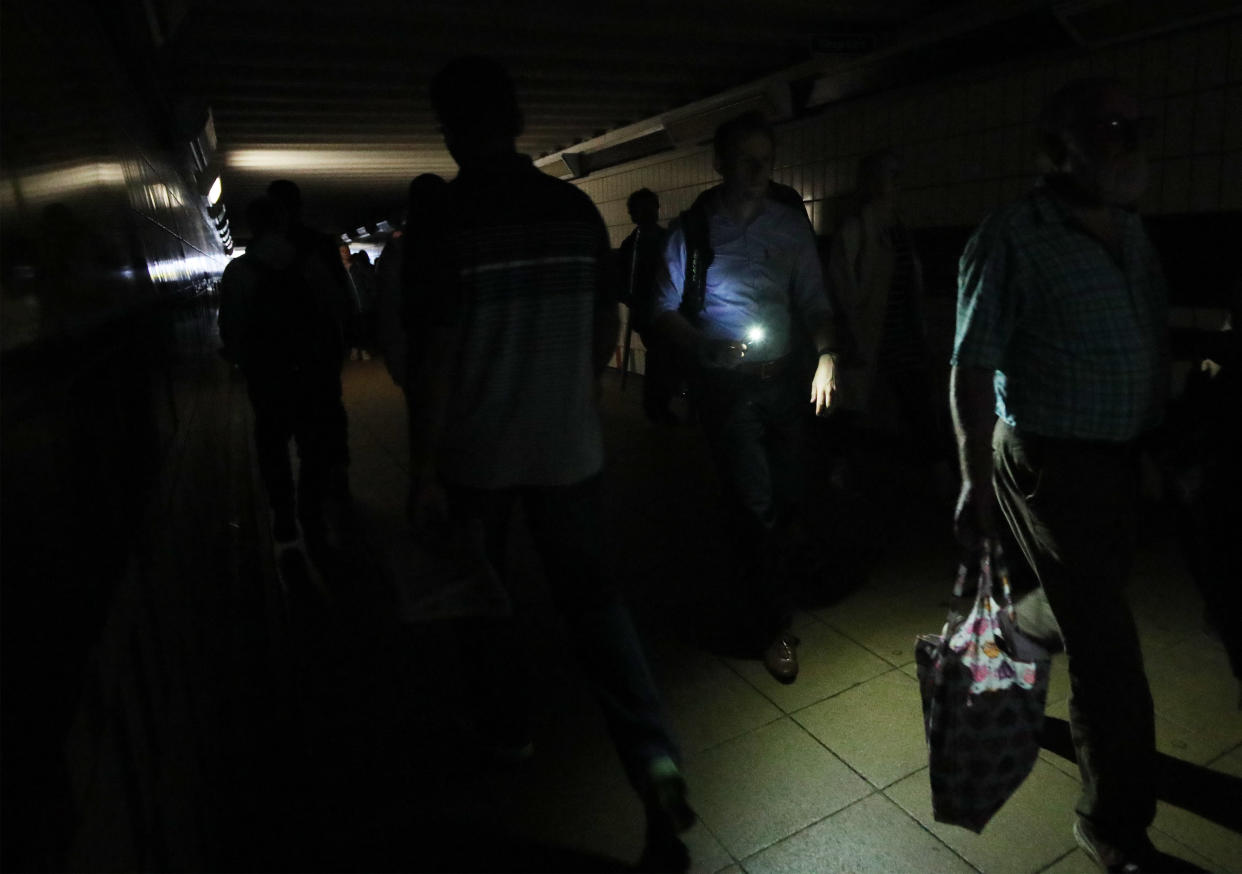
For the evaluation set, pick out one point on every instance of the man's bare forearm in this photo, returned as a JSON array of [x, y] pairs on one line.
[[972, 402]]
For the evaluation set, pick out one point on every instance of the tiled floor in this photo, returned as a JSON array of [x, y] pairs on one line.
[[827, 774]]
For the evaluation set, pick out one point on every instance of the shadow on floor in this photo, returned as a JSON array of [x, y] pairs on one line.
[[1210, 794]]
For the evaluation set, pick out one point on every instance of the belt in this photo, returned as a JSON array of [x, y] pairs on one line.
[[764, 369]]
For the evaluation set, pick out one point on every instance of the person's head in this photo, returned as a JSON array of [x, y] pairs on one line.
[[744, 151], [1091, 132], [360, 257], [475, 101], [346, 255], [877, 176], [644, 207], [288, 197], [264, 217]]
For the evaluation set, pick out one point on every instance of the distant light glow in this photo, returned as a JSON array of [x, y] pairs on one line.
[[402, 163], [213, 196], [755, 334], [57, 182]]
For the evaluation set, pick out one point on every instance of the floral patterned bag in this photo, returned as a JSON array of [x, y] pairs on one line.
[[983, 686]]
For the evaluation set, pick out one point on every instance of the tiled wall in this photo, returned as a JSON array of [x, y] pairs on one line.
[[966, 142]]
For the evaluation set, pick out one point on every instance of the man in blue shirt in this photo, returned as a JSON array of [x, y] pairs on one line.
[[1059, 368], [741, 277]]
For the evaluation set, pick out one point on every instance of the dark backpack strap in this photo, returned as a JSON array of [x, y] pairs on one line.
[[699, 256]]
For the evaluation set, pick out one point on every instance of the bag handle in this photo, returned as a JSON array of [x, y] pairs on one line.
[[986, 566]]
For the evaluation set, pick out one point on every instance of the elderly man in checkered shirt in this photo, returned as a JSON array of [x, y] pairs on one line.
[[1060, 367]]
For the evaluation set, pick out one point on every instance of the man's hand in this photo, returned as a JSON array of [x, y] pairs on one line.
[[722, 353], [824, 384], [426, 504], [974, 519]]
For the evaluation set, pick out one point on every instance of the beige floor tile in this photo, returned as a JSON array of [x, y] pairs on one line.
[[876, 728], [732, 869], [1212, 841], [1058, 679], [708, 703], [828, 663], [1065, 766], [873, 836], [1191, 745], [764, 786], [1192, 686], [1230, 762], [1079, 862], [1029, 833], [707, 855], [887, 626]]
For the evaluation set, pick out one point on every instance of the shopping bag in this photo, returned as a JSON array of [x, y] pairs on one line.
[[445, 574], [983, 685]]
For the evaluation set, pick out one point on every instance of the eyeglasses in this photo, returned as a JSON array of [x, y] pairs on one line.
[[1117, 130]]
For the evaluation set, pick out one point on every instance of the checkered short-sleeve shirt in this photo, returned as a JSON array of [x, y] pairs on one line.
[[1076, 338]]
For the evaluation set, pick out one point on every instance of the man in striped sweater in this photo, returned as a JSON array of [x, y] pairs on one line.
[[521, 295]]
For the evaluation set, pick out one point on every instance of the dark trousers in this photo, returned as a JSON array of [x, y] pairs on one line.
[[1071, 506], [660, 375], [757, 430], [308, 409], [566, 525]]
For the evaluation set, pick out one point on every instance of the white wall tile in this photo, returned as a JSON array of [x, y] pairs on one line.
[[1205, 183], [1179, 125], [1209, 120], [1231, 181], [1183, 61], [1153, 80], [1213, 67], [1235, 51], [1232, 114], [1175, 185]]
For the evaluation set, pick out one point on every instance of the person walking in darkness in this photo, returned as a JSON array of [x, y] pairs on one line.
[[639, 259], [875, 277], [741, 278], [521, 312], [280, 323], [1060, 368]]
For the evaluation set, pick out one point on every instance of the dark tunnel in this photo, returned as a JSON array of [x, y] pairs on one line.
[[186, 688]]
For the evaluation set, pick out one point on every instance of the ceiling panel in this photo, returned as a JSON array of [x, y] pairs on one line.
[[334, 96]]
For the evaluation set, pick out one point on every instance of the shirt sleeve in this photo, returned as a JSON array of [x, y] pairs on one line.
[[810, 297], [986, 302], [670, 274]]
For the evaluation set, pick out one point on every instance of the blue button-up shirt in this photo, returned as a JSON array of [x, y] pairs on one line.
[[1077, 338], [761, 274]]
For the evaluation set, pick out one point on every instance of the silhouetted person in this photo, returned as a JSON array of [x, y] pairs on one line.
[[1060, 367], [279, 322], [520, 298], [875, 279], [639, 259], [1198, 455], [742, 280], [362, 273]]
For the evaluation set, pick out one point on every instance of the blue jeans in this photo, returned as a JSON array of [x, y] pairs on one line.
[[566, 525]]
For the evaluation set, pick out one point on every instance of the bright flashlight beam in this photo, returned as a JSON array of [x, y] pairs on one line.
[[755, 334]]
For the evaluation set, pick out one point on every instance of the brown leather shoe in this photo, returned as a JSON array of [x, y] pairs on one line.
[[781, 657]]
